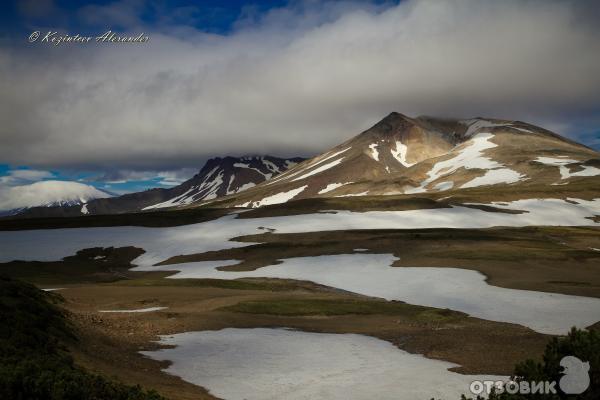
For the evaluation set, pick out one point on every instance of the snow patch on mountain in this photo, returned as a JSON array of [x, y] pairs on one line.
[[444, 186], [247, 166], [354, 194], [374, 152], [494, 177], [290, 174], [471, 156], [521, 129], [400, 154], [565, 172], [330, 187], [276, 198], [319, 169]]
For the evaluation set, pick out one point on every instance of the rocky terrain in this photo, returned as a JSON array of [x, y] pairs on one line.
[[402, 155]]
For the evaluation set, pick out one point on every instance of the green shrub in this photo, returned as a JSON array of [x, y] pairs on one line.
[[582, 344], [34, 363]]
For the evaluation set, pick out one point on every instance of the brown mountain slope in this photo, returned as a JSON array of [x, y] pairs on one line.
[[402, 155]]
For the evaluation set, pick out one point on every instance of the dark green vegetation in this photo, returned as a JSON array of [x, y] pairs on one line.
[[149, 219], [584, 345], [297, 307], [89, 265], [33, 361], [274, 285]]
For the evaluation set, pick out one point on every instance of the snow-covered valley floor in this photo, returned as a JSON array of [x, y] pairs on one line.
[[371, 275], [263, 364], [163, 243], [453, 288]]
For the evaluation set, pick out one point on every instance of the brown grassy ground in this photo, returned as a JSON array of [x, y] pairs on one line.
[[550, 259], [110, 342]]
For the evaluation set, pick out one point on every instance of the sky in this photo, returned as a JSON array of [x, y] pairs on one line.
[[284, 78]]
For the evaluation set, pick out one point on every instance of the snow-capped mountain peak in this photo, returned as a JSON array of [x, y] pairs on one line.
[[51, 193], [225, 176]]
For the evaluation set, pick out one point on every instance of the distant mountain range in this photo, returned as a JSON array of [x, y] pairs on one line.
[[397, 156], [219, 177]]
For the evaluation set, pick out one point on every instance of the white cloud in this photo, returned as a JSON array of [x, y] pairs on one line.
[[20, 176], [174, 177], [298, 81], [47, 192]]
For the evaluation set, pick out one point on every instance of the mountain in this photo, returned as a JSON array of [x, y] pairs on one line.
[[219, 177], [399, 155], [17, 199], [224, 176], [403, 155]]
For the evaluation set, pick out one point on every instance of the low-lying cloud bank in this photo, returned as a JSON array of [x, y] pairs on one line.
[[297, 80], [47, 193]]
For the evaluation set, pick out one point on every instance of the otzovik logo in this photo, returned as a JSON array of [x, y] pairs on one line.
[[576, 378]]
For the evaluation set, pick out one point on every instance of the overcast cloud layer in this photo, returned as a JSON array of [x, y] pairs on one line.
[[296, 81]]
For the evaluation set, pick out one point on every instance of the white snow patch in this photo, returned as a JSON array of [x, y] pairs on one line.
[[319, 169], [354, 194], [521, 129], [555, 161], [84, 209], [288, 174], [267, 363], [207, 190], [139, 310], [587, 171], [470, 157], [330, 187], [458, 289], [289, 164], [270, 166], [53, 289], [332, 155], [228, 190], [565, 173], [247, 166], [494, 177], [374, 152], [279, 197], [245, 186], [444, 186], [400, 154]]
